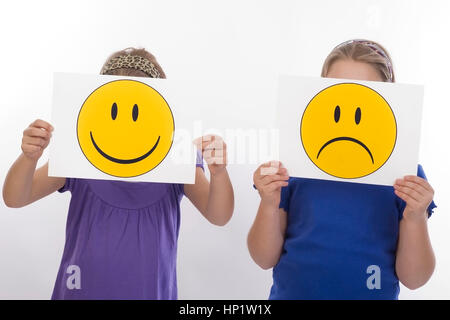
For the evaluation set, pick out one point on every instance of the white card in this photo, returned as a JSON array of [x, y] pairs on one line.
[[122, 128], [347, 130]]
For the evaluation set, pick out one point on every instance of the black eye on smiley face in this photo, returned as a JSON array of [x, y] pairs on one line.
[[358, 115]]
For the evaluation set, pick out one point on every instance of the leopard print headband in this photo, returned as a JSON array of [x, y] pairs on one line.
[[132, 62]]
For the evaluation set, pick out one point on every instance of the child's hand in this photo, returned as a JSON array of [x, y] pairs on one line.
[[36, 138], [214, 151], [269, 178], [417, 193]]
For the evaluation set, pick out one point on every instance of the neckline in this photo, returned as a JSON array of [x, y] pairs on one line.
[[130, 185], [140, 192]]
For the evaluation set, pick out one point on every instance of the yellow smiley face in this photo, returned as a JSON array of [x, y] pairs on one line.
[[125, 128], [348, 130]]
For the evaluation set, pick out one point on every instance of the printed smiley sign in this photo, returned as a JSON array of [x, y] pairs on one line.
[[125, 128], [134, 129], [348, 130]]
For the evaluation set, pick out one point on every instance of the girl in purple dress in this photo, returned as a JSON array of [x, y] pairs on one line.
[[121, 237]]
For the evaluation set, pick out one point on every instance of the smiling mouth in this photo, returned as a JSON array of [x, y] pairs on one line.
[[346, 139], [124, 161]]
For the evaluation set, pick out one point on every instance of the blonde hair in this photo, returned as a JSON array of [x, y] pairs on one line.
[[366, 51], [141, 52]]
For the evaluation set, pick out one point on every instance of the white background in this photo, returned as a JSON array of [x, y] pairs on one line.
[[243, 44]]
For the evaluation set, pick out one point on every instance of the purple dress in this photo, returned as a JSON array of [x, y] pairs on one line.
[[121, 240]]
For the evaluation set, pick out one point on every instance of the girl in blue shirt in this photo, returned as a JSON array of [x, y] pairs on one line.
[[340, 240]]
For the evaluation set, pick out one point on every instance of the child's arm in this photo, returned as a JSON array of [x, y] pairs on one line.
[[24, 184], [215, 199], [415, 258], [266, 237]]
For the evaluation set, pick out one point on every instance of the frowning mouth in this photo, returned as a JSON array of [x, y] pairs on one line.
[[124, 161], [346, 139]]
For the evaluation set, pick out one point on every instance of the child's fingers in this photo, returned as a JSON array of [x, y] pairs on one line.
[[37, 132], [213, 149], [215, 160], [219, 157], [273, 163], [208, 139], [219, 153], [42, 124], [405, 197], [214, 156], [410, 192], [271, 179], [205, 138], [267, 169], [275, 177], [218, 147], [274, 186], [35, 141], [424, 183], [213, 145], [272, 167], [412, 185]]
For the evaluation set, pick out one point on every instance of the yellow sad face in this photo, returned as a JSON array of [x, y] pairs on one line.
[[125, 128], [348, 130]]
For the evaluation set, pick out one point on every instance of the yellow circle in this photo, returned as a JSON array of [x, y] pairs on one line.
[[348, 130], [125, 128]]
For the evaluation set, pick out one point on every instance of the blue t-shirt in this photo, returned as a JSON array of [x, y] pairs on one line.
[[338, 235]]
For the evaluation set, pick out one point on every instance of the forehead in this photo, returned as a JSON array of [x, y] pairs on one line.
[[354, 70]]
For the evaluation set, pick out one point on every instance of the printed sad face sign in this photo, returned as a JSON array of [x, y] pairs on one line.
[[355, 131], [110, 127], [348, 130]]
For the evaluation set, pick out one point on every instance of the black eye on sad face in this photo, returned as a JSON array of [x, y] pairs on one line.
[[337, 114], [134, 112]]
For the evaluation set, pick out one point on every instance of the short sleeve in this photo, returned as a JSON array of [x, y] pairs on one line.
[[285, 197], [179, 188], [199, 160], [402, 204], [68, 185]]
